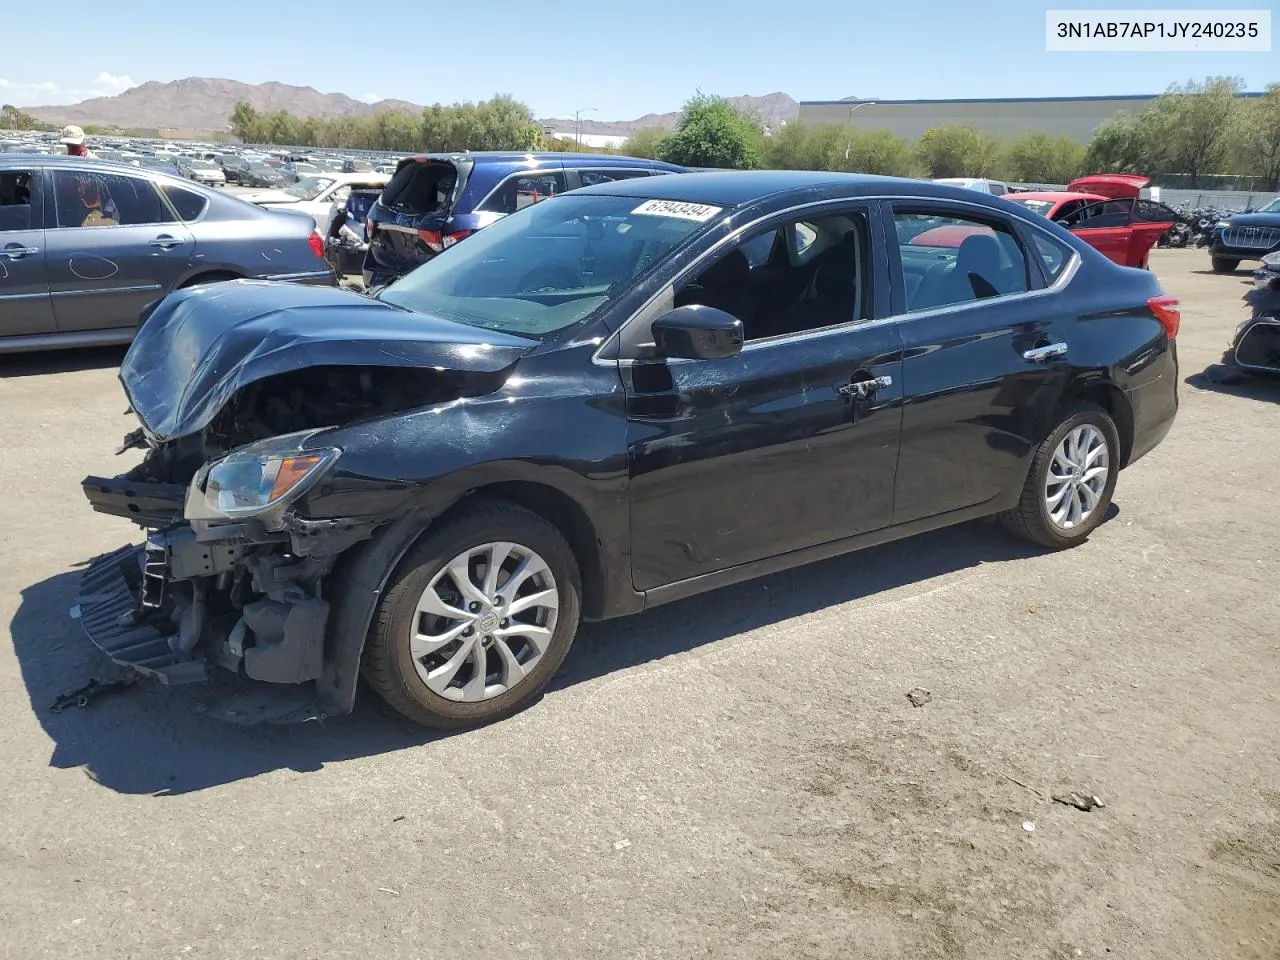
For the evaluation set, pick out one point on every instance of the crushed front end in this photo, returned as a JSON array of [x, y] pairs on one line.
[[229, 576]]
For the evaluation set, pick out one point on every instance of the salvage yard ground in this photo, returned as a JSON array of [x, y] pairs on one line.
[[736, 775]]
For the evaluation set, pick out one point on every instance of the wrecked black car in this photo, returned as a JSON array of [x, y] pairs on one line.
[[624, 395], [1255, 348]]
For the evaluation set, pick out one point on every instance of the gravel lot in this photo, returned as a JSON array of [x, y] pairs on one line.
[[737, 775]]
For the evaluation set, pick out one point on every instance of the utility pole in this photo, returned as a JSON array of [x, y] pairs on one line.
[[865, 103], [577, 122]]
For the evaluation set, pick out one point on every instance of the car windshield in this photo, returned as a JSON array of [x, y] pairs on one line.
[[1272, 207], [202, 165], [308, 188], [551, 264], [1041, 207]]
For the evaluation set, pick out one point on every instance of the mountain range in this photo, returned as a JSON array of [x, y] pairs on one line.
[[205, 104]]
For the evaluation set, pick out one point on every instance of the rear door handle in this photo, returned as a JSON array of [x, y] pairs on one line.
[[1048, 352], [165, 241], [861, 389], [15, 252]]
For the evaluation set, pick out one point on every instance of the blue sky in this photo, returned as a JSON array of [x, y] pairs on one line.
[[622, 59]]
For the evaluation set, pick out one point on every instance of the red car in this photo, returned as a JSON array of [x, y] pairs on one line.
[[1106, 212], [1103, 209]]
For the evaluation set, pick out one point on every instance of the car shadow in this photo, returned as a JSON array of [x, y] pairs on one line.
[[1219, 378], [39, 363], [151, 739]]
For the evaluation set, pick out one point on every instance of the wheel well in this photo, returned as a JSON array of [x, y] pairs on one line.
[[567, 516], [213, 276], [1111, 399]]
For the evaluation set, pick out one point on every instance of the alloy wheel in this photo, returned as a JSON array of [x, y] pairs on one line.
[[1077, 476], [484, 621]]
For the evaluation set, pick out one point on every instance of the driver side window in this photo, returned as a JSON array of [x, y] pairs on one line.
[[790, 278]]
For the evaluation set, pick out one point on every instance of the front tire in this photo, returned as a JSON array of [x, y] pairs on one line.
[[477, 618], [1071, 481], [1224, 264]]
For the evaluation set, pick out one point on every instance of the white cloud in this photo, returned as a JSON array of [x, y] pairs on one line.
[[110, 82], [371, 98], [3, 83]]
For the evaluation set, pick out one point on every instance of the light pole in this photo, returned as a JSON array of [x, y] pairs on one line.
[[865, 103], [577, 122]]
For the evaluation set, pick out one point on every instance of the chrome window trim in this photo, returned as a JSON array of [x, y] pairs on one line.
[[1068, 272]]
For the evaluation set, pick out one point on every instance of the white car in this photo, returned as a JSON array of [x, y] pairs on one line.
[[996, 188], [317, 194], [203, 171]]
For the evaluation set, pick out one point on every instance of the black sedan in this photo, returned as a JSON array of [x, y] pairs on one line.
[[85, 245], [623, 395]]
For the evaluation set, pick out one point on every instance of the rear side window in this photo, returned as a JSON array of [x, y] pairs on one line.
[[524, 190], [92, 199], [188, 203], [592, 177], [1054, 256], [953, 259], [15, 200], [421, 188]]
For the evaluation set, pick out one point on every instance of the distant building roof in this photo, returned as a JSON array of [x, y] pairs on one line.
[[1118, 96]]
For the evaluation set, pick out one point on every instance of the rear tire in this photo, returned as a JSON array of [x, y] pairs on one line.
[[1224, 264], [435, 684], [1061, 481]]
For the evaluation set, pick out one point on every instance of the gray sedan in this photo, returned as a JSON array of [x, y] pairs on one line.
[[86, 245]]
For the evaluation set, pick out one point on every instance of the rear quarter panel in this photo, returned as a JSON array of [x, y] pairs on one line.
[[252, 241]]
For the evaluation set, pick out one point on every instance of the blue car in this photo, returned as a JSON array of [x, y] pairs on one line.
[[437, 199], [1245, 236]]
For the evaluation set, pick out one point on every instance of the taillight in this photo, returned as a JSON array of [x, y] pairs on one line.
[[317, 245], [437, 241], [1168, 310]]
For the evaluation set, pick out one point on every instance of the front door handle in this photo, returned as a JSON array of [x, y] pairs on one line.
[[165, 241], [1047, 352], [15, 252], [862, 389]]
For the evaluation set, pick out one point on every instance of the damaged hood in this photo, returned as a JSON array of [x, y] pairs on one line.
[[202, 345]]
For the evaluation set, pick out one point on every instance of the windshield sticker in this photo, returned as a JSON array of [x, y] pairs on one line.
[[698, 212]]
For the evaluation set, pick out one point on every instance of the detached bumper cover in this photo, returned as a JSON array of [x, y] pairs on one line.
[[110, 610]]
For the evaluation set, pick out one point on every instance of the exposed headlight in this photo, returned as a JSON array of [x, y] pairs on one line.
[[1222, 224], [256, 479]]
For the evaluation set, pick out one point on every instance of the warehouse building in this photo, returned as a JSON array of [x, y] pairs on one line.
[[1075, 117]]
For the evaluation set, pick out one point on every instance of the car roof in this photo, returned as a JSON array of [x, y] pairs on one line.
[[733, 188], [515, 157], [61, 161]]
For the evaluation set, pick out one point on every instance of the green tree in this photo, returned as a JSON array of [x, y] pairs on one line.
[[244, 120], [1256, 138], [646, 142], [1041, 158], [1187, 129], [880, 152], [711, 132], [957, 151], [1118, 146]]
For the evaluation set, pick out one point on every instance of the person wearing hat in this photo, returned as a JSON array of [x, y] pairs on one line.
[[73, 139]]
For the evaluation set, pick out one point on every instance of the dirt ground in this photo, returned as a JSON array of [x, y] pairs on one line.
[[737, 775]]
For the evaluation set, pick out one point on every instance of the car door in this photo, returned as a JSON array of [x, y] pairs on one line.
[[790, 444], [117, 246], [985, 348], [1107, 227], [25, 305]]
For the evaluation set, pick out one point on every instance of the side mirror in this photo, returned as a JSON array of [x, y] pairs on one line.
[[698, 332]]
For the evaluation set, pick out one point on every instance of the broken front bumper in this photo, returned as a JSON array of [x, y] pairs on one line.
[[111, 610]]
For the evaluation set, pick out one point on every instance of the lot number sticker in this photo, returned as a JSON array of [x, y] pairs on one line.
[[699, 212]]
